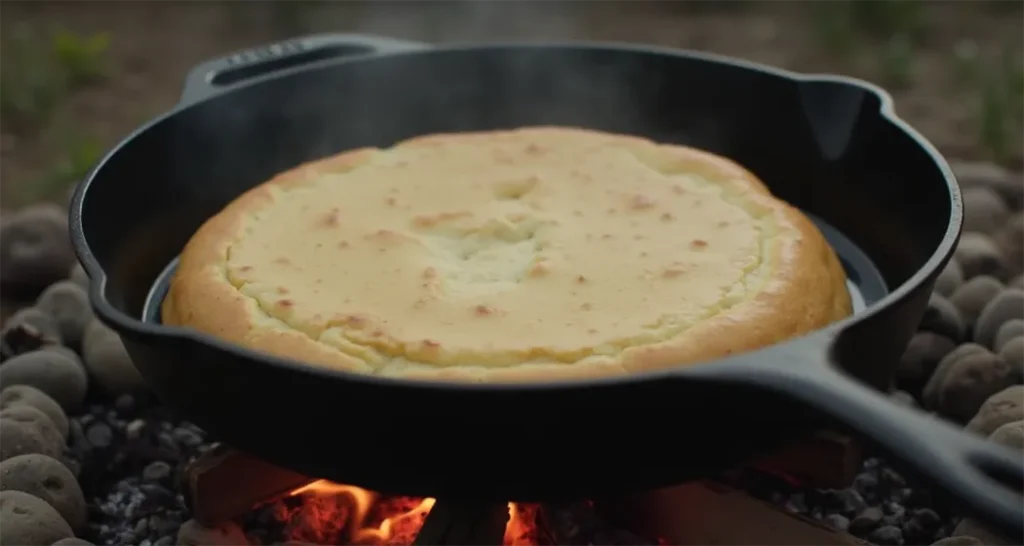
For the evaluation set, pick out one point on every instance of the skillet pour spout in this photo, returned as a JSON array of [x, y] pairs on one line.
[[834, 147]]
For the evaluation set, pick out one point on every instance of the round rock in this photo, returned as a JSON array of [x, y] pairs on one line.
[[68, 304], [943, 318], [24, 395], [1009, 238], [57, 374], [1008, 185], [35, 247], [951, 277], [974, 295], [1013, 353], [1007, 305], [984, 209], [226, 534], [923, 354], [79, 277], [48, 479], [1009, 435], [978, 254], [931, 389], [969, 381], [36, 319], [108, 362], [26, 430], [1016, 282], [1009, 330], [30, 521], [1005, 406]]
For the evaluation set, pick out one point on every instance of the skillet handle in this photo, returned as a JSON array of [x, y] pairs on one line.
[[979, 473], [214, 76]]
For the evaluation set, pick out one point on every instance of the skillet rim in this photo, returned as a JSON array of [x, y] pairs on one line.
[[134, 327]]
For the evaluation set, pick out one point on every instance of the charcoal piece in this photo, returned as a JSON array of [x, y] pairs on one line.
[[866, 484], [24, 430], [1005, 306], [921, 526], [1009, 330], [836, 521], [166, 540], [156, 472], [28, 520], [48, 479], [69, 306], [99, 435], [58, 375], [970, 381], [125, 405], [984, 209], [949, 279], [886, 535], [35, 248], [226, 534], [978, 255], [974, 295], [866, 521], [24, 395], [108, 362], [1002, 407], [27, 330]]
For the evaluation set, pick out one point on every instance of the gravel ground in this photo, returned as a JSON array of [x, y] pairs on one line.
[[85, 452]]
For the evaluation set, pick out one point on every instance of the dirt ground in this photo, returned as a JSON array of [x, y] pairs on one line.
[[938, 62]]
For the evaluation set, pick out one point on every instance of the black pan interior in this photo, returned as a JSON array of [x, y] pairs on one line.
[[863, 278]]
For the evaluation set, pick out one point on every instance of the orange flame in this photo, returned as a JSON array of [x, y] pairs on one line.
[[376, 521]]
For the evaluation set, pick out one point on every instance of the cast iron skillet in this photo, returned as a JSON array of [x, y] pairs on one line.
[[830, 145]]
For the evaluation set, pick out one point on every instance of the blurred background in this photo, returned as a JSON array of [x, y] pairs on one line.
[[77, 76]]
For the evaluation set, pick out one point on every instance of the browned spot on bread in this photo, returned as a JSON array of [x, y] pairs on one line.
[[282, 261], [282, 290], [667, 217], [432, 220], [483, 311], [580, 279], [285, 303], [429, 273], [640, 202], [331, 218], [698, 244]]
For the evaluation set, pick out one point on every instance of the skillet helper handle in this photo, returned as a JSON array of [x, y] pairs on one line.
[[986, 477], [216, 75]]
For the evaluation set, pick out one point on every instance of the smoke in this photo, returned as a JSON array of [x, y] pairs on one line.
[[461, 21]]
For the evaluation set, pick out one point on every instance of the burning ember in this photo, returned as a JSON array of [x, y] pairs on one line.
[[324, 512]]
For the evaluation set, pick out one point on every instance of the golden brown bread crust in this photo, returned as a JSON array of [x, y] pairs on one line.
[[442, 257]]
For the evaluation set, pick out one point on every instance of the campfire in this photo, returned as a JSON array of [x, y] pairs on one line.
[[323, 512], [278, 506]]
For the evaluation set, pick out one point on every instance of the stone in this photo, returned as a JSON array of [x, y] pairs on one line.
[[48, 479], [973, 528], [25, 395], [27, 520], [984, 209], [974, 295], [1003, 407], [108, 362], [931, 389], [1009, 330], [192, 533], [943, 318], [60, 375], [978, 254], [25, 430], [69, 306], [1010, 435], [1005, 306], [35, 247], [970, 381], [949, 279]]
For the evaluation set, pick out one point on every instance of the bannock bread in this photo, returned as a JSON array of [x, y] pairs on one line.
[[523, 255]]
